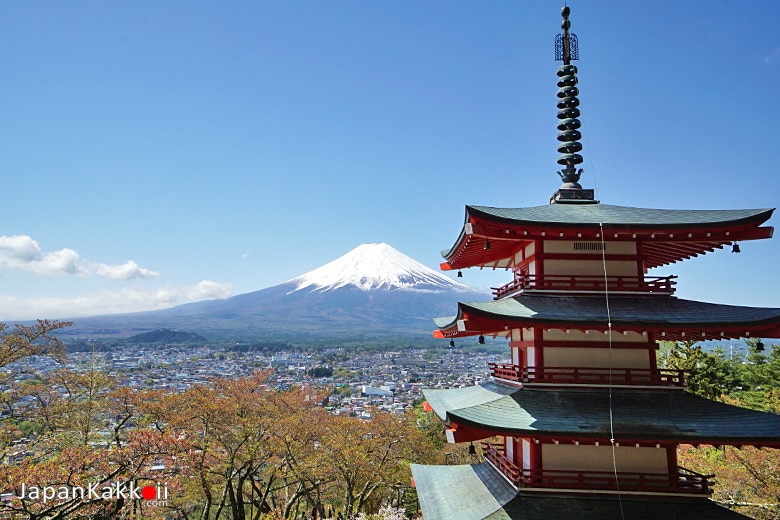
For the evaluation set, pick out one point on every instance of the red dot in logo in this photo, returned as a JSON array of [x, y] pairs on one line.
[[149, 493]]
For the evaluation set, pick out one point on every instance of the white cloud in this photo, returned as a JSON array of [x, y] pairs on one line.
[[127, 271], [128, 299], [207, 290], [23, 253], [20, 248]]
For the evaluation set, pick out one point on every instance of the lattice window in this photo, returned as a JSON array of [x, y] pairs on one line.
[[588, 246]]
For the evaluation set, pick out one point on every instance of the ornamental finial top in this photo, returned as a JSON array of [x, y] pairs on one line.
[[569, 146]]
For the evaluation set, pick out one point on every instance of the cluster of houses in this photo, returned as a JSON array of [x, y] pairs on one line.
[[362, 383]]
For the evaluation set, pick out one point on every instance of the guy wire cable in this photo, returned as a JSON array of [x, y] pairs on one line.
[[609, 328]]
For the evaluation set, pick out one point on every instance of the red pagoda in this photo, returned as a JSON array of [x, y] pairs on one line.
[[587, 424]]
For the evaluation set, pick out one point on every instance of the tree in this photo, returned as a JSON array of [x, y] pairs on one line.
[[371, 458], [69, 403], [248, 446], [57, 463], [21, 341], [320, 372], [16, 344], [746, 478], [301, 480], [428, 424], [759, 368], [710, 374]]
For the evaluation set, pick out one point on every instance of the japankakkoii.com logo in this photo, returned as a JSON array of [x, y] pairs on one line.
[[152, 495]]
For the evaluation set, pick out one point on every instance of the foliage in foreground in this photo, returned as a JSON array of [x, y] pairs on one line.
[[232, 448]]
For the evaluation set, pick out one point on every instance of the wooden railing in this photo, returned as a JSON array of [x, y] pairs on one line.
[[569, 283], [496, 455], [588, 376], [681, 481]]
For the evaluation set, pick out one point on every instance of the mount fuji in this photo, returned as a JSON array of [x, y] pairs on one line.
[[373, 291], [376, 267]]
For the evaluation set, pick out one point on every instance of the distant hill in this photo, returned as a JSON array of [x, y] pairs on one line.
[[374, 291], [165, 336]]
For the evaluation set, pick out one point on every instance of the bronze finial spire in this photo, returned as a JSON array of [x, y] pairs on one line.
[[566, 49], [566, 44]]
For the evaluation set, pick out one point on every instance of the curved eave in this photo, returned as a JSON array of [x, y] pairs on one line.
[[626, 217], [667, 317], [461, 492], [667, 236], [479, 492], [441, 401], [664, 416]]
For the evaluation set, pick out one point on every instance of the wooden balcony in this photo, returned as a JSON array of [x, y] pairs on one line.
[[683, 481], [495, 454], [663, 285], [588, 376]]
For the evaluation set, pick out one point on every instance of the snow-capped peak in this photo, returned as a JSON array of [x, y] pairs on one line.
[[376, 266]]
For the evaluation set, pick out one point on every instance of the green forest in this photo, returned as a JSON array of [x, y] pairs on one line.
[[237, 449]]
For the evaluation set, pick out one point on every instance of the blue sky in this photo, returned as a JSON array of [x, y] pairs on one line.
[[155, 153]]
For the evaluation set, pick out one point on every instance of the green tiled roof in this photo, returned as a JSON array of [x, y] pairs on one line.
[[624, 311], [461, 492], [639, 415], [593, 214], [465, 397], [478, 492]]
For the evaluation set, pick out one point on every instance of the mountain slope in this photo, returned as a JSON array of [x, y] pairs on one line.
[[372, 291]]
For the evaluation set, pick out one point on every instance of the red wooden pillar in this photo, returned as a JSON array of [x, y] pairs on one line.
[[539, 353], [671, 462], [535, 463], [539, 263]]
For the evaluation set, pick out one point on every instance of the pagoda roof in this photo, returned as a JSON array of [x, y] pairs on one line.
[[668, 235], [660, 416], [478, 492], [575, 215], [670, 317]]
